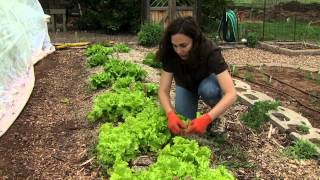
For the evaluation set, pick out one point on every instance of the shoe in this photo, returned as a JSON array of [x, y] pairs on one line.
[[216, 127]]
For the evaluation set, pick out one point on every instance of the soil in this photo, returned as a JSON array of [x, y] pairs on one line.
[[52, 139]]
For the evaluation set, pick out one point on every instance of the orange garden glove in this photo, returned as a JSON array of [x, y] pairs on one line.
[[199, 125], [174, 123]]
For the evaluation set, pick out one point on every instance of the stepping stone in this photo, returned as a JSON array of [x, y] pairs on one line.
[[313, 136], [287, 121], [240, 85], [284, 117], [250, 97]]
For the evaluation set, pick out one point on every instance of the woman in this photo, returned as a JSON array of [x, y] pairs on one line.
[[199, 70]]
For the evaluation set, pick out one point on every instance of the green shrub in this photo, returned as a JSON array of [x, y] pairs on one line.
[[252, 40], [257, 114], [211, 13], [110, 15], [150, 34], [302, 149], [151, 60]]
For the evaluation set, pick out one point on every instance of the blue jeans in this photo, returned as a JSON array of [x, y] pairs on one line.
[[187, 101]]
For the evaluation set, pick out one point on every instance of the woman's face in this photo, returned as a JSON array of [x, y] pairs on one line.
[[182, 45]]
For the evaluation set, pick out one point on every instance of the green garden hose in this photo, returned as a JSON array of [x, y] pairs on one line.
[[228, 26]]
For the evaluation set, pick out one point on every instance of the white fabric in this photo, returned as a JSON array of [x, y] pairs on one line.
[[24, 40]]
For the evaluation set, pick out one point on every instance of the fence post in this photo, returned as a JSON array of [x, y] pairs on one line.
[[172, 10], [147, 12], [295, 26], [264, 18], [197, 11]]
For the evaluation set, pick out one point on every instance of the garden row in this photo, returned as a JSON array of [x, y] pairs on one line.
[[135, 125]]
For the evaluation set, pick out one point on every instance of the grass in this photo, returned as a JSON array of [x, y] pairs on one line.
[[259, 3], [303, 128], [282, 30], [231, 155], [248, 77], [301, 149]]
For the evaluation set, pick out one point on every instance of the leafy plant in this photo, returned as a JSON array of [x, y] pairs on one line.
[[98, 59], [268, 80], [150, 34], [313, 97], [100, 80], [150, 89], [98, 54], [151, 60], [118, 68], [302, 149], [116, 106], [182, 160], [234, 70], [121, 48], [66, 101], [145, 132], [257, 114], [114, 70], [318, 77], [115, 143], [308, 75], [123, 82], [248, 76], [252, 39], [98, 49]]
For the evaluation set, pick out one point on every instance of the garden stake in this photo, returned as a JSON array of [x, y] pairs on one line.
[[270, 79]]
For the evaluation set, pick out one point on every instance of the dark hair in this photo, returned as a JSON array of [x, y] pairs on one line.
[[189, 27]]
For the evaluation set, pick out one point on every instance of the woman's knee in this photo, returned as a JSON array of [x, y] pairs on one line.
[[209, 90]]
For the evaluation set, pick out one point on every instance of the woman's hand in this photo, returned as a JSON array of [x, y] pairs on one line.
[[174, 123], [199, 125]]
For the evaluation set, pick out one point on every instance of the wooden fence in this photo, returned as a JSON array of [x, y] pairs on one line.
[[164, 11]]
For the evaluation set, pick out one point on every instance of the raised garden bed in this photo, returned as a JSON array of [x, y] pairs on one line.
[[291, 48]]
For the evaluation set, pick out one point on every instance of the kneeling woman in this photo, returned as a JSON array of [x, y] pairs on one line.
[[199, 70]]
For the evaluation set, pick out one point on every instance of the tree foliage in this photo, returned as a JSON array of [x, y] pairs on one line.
[[111, 15]]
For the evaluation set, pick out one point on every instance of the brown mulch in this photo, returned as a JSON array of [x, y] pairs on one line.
[[51, 138]]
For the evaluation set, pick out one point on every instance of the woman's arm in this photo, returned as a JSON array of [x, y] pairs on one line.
[[164, 90], [229, 97]]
